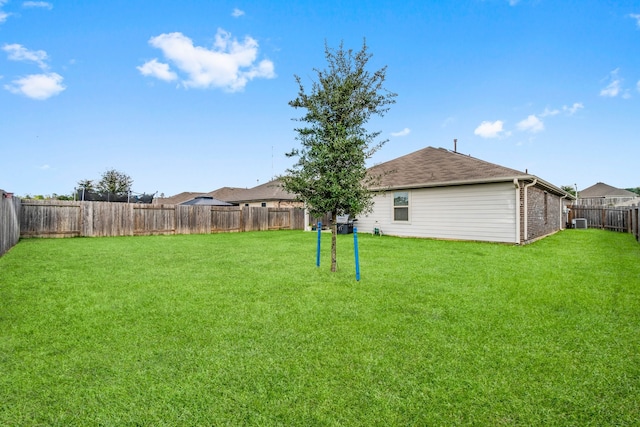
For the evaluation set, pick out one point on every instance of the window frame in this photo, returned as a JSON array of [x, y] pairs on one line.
[[407, 207]]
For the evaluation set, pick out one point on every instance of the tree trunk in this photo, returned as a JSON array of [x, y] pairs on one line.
[[334, 233]]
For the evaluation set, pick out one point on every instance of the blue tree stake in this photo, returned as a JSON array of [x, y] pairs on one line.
[[318, 252], [355, 250]]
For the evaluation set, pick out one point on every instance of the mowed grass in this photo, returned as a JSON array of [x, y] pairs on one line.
[[244, 329]]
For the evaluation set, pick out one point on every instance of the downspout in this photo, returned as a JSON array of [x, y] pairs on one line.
[[517, 209], [526, 212], [562, 212], [307, 219]]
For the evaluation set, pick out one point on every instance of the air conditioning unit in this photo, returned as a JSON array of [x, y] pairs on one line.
[[580, 223]]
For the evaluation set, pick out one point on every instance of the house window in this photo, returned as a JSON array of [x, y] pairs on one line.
[[401, 206], [263, 204]]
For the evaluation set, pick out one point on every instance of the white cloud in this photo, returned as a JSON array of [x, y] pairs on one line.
[[18, 52], [635, 16], [491, 129], [573, 109], [531, 124], [229, 64], [548, 112], [158, 70], [513, 2], [237, 13], [3, 15], [614, 87], [37, 86], [403, 132], [41, 4]]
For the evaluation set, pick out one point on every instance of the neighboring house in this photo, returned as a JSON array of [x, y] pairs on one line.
[[206, 201], [437, 193], [270, 194], [602, 194], [177, 199]]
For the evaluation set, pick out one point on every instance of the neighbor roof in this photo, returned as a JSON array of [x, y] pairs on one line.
[[176, 199], [227, 193], [600, 190], [271, 190], [206, 201]]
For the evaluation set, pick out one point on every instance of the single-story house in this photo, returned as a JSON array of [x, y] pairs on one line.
[[438, 193], [270, 194], [205, 201], [177, 199], [601, 194]]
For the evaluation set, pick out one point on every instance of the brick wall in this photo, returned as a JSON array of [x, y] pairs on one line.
[[543, 213]]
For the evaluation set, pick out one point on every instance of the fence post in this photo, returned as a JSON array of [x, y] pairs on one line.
[[355, 251], [318, 250]]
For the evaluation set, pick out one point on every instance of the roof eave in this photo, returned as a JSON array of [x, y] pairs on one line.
[[453, 183], [524, 178]]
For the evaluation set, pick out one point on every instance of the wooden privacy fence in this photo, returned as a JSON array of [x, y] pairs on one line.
[[615, 219], [9, 221], [54, 218], [635, 221]]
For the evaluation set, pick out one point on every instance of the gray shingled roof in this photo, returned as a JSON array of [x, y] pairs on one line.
[[438, 166], [271, 190], [226, 193], [603, 190], [176, 199], [206, 201]]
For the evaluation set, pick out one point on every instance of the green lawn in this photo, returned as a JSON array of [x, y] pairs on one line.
[[244, 329]]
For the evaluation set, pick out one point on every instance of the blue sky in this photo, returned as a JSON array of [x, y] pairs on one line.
[[193, 95]]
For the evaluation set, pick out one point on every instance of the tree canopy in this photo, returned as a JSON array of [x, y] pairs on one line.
[[569, 189], [330, 175], [115, 182], [113, 186], [634, 190]]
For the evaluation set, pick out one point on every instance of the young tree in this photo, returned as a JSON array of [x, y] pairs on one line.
[[115, 182], [330, 174]]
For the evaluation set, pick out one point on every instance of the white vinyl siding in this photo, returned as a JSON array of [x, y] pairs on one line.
[[484, 212]]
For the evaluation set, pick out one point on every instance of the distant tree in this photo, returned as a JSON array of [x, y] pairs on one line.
[[330, 174], [86, 184], [114, 182], [634, 190], [52, 196], [569, 189], [61, 197]]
